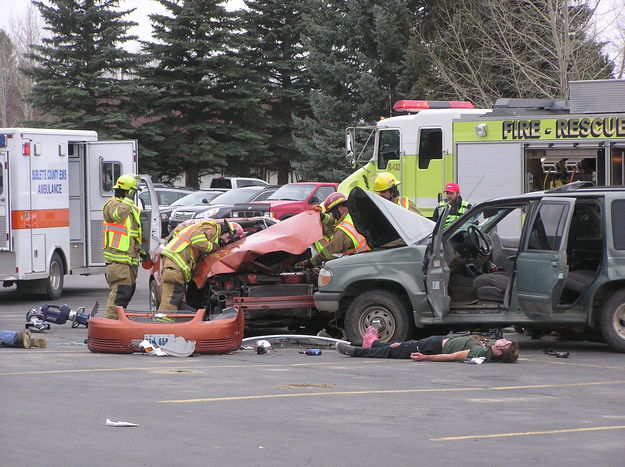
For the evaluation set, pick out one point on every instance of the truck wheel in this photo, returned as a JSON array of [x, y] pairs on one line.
[[381, 309], [54, 283], [613, 321], [153, 298]]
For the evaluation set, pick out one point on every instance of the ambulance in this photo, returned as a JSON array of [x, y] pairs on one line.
[[53, 184], [518, 146]]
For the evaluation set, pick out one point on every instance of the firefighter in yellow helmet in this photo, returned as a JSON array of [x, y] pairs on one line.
[[386, 184], [345, 238], [188, 244], [328, 221], [122, 243]]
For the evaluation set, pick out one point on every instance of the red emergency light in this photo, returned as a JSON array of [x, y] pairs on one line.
[[26, 149], [415, 106]]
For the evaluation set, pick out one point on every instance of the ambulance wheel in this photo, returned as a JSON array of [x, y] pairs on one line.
[[153, 299], [613, 321], [54, 282], [379, 308]]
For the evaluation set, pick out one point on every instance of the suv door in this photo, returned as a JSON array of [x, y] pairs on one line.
[[541, 266], [437, 270]]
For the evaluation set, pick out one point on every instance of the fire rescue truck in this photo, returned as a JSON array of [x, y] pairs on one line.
[[53, 184], [518, 146]]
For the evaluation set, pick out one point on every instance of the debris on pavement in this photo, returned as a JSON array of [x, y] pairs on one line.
[[556, 353], [111, 423]]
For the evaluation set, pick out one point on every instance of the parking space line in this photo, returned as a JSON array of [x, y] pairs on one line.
[[386, 391], [585, 365], [191, 366], [530, 433]]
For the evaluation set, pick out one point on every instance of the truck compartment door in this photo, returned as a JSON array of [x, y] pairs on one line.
[[541, 266], [5, 207], [105, 161]]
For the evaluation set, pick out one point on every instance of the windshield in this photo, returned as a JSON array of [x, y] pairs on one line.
[[293, 192], [236, 196], [195, 199]]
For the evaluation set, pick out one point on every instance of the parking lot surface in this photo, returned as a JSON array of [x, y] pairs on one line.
[[284, 408]]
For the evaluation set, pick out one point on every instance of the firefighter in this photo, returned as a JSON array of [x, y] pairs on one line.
[[386, 184], [345, 238], [458, 205], [185, 248], [122, 243], [328, 221]]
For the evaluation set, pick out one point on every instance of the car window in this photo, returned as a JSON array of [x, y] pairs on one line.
[[388, 147], [547, 227], [221, 182], [264, 195], [165, 198], [292, 192], [195, 199], [618, 223], [145, 198], [323, 192], [430, 146], [237, 195]]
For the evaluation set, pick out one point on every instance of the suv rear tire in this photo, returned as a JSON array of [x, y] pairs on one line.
[[613, 321], [379, 306]]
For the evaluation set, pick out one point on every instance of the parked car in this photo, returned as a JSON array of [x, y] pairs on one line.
[[166, 195], [196, 198], [236, 182], [288, 200], [559, 257], [221, 206]]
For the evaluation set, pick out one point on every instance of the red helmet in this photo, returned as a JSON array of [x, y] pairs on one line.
[[333, 200]]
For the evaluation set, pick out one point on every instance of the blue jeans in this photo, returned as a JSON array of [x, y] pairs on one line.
[[7, 338]]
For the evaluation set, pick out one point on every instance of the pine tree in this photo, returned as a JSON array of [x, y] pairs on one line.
[[81, 72], [356, 57], [203, 99], [273, 34]]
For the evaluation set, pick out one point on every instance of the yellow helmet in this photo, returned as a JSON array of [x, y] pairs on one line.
[[385, 181], [126, 182]]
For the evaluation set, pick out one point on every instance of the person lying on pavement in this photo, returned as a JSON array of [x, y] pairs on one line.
[[439, 349]]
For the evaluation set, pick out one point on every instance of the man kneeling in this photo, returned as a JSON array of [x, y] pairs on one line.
[[439, 349]]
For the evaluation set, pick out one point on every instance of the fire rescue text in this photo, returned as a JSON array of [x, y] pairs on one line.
[[604, 127]]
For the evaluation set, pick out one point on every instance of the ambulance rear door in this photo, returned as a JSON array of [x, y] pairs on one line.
[[106, 161], [5, 207]]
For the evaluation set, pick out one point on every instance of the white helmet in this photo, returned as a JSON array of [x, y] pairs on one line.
[[262, 346]]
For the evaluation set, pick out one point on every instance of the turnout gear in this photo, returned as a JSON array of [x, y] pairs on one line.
[[333, 200], [385, 181], [122, 246], [180, 257], [346, 240]]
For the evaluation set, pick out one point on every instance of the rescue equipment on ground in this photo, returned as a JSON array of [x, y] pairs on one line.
[[38, 320]]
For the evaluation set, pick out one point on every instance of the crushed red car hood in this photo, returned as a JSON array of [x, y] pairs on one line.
[[268, 250]]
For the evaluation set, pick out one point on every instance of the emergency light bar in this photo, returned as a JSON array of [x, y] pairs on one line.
[[415, 106]]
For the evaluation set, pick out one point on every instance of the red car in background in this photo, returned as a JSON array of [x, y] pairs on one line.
[[288, 200]]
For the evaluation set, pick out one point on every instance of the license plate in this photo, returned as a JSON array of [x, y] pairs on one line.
[[158, 339]]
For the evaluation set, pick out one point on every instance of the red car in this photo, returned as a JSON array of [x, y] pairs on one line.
[[288, 200], [256, 274]]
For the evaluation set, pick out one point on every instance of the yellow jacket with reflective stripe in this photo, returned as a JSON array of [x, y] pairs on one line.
[[194, 240], [346, 240], [405, 203], [122, 231]]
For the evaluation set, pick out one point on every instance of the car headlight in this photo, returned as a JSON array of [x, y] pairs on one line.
[[325, 276], [209, 213]]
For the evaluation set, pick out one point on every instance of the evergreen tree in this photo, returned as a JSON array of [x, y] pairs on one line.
[[356, 57], [204, 100], [80, 70], [273, 34]]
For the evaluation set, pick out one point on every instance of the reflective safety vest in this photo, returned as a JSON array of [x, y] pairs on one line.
[[322, 243], [360, 243], [117, 236], [189, 237], [464, 207], [403, 201]]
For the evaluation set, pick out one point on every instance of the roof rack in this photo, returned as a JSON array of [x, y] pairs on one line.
[[516, 106], [572, 187]]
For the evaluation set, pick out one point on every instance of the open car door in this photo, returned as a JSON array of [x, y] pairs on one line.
[[150, 219], [541, 266], [437, 270]]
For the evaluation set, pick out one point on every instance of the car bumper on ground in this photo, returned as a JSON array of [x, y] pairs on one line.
[[327, 301]]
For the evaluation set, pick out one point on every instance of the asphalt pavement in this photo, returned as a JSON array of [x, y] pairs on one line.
[[284, 408]]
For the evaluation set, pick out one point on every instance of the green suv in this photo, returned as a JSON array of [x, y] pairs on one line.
[[552, 260]]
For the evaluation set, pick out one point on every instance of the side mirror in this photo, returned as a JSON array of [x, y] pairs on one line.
[[349, 146]]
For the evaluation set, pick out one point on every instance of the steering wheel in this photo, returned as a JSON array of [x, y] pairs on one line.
[[477, 240]]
